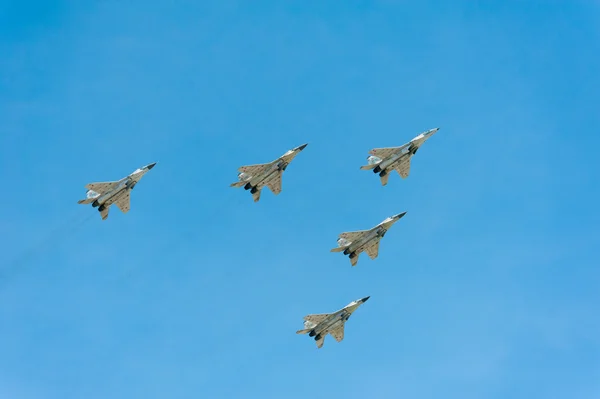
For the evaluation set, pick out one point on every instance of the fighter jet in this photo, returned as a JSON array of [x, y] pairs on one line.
[[103, 195], [355, 242], [255, 177], [319, 325], [384, 160]]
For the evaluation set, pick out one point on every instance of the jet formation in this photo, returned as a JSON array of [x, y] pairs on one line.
[[255, 177]]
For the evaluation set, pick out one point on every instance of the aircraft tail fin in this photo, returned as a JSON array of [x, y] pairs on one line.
[[354, 260], [104, 213], [320, 342], [256, 195], [384, 179], [305, 331], [368, 167], [338, 249], [238, 184]]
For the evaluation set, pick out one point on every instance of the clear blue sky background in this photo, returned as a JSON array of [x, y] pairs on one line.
[[488, 288]]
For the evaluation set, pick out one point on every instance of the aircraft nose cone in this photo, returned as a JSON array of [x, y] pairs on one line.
[[365, 299], [151, 165], [400, 215], [303, 146]]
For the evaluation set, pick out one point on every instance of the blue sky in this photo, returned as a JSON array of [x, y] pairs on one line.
[[487, 288]]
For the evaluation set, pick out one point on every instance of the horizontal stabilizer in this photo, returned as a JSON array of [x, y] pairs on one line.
[[306, 331], [86, 201], [338, 249], [256, 196], [238, 184], [368, 167]]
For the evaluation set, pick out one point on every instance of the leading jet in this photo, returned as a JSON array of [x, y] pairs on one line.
[[319, 325], [384, 160], [255, 177], [103, 195], [354, 242]]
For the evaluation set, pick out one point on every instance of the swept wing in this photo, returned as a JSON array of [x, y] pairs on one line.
[[254, 170], [123, 203], [403, 168], [316, 318], [338, 333], [103, 187], [387, 152], [354, 235], [275, 183], [373, 249]]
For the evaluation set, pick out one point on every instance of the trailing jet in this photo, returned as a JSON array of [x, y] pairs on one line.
[[384, 160], [103, 195], [355, 242], [255, 177], [319, 325]]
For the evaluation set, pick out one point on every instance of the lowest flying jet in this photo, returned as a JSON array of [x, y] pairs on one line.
[[319, 325], [384, 160], [103, 195], [354, 242], [255, 177]]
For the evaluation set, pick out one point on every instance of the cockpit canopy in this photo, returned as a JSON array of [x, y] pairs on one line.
[[373, 160]]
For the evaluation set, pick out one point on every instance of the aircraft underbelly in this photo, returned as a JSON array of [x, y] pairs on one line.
[[365, 243], [261, 181], [397, 162], [112, 197], [331, 324]]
